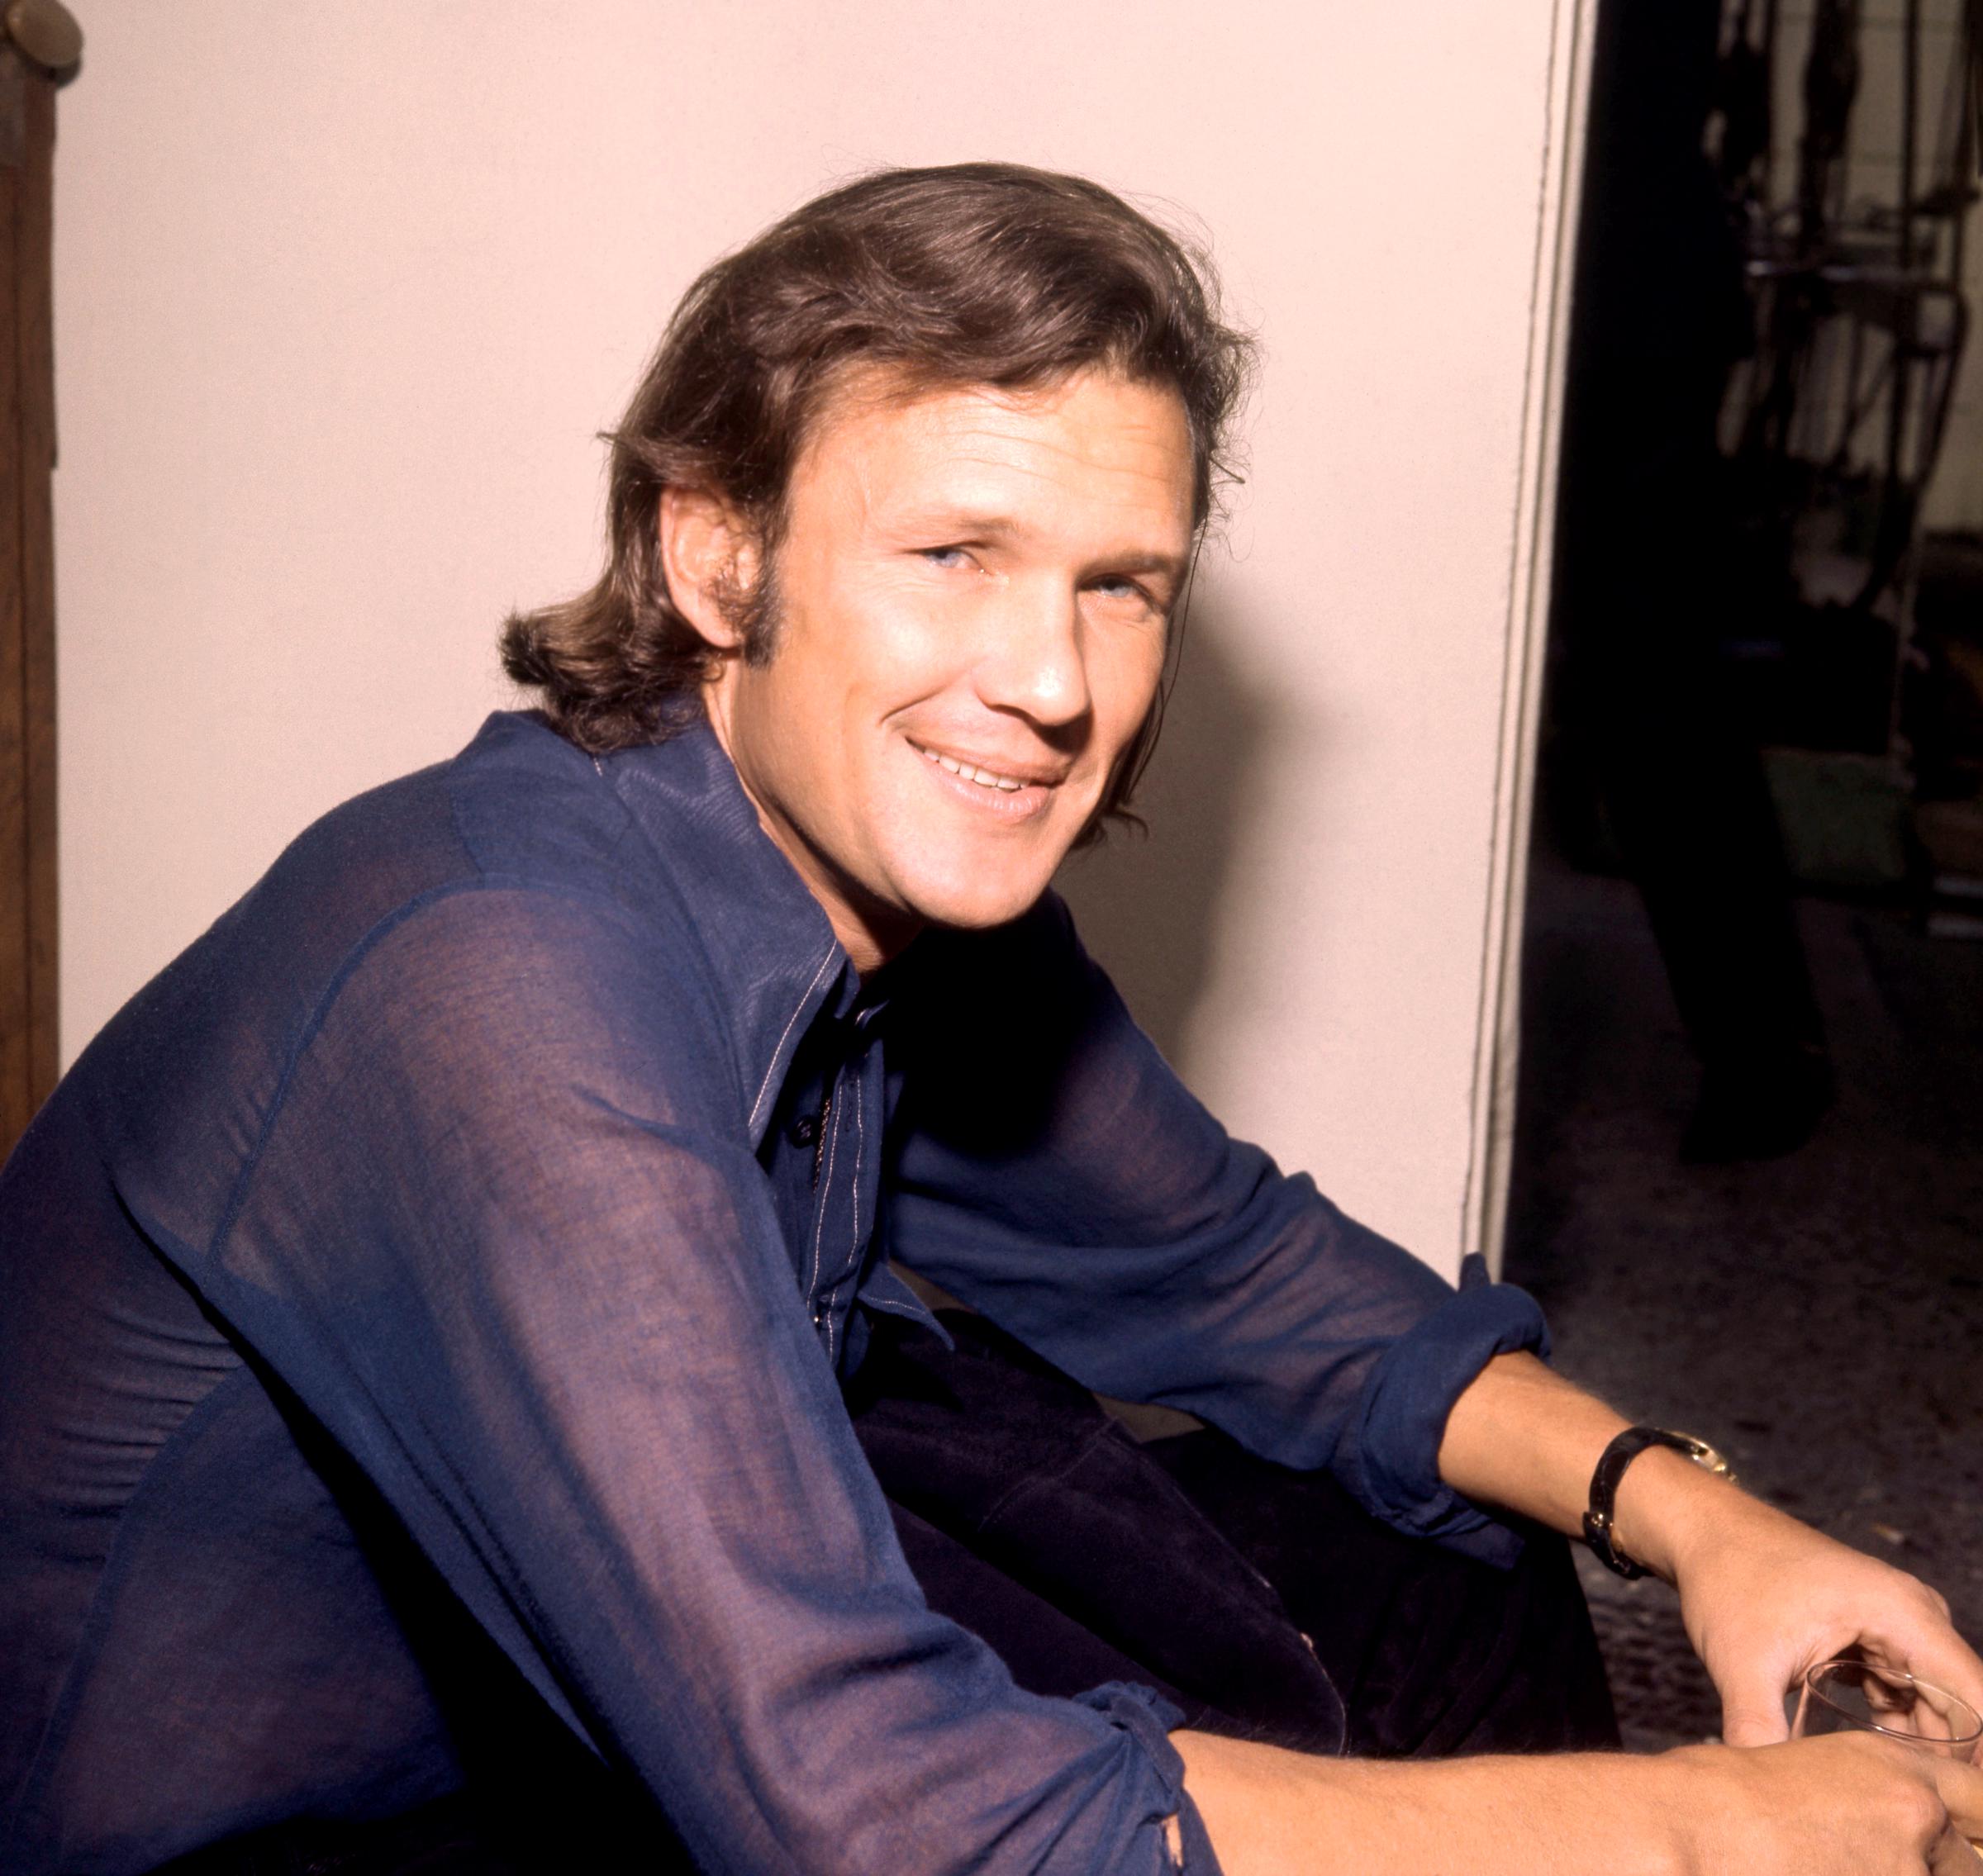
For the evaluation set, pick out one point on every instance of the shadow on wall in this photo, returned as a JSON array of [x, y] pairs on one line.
[[1152, 907]]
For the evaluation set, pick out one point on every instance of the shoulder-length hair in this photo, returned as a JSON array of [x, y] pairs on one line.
[[979, 273]]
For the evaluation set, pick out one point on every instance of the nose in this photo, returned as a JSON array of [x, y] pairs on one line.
[[1035, 662]]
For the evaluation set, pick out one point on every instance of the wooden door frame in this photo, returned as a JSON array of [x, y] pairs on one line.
[[28, 935]]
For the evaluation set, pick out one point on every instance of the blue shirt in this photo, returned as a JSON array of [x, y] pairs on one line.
[[526, 1133]]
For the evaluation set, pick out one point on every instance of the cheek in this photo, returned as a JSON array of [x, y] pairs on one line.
[[885, 649], [910, 645], [1122, 678], [786, 727]]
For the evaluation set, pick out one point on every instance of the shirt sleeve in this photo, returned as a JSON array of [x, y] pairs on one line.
[[1050, 1169], [498, 1240]]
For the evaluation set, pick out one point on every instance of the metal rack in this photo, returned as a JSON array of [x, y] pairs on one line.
[[1862, 317]]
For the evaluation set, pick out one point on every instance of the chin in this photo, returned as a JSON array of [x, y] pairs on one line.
[[977, 904]]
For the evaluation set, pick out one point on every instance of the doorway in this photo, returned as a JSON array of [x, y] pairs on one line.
[[1745, 1175]]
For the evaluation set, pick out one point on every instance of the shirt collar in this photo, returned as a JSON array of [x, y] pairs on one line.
[[768, 942]]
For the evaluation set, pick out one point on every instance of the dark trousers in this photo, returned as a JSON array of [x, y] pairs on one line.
[[1264, 1603]]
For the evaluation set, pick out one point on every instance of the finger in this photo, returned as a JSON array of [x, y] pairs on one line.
[[1954, 1666], [1942, 1658], [1953, 1856], [1751, 1709], [1960, 1786], [1922, 1638]]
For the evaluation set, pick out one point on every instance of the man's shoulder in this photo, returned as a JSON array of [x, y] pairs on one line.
[[519, 816], [506, 870], [519, 803], [520, 809], [531, 808]]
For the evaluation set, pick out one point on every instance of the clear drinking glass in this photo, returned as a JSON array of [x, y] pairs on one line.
[[1862, 1696], [1839, 1697]]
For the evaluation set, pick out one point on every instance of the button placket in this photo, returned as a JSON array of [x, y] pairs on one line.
[[844, 1146], [826, 1155]]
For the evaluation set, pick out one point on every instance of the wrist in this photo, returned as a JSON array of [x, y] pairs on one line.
[[1668, 1509]]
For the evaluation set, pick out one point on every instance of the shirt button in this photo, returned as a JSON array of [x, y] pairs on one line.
[[804, 1130]]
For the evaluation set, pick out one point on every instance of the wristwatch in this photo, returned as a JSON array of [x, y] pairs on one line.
[[1611, 1468]]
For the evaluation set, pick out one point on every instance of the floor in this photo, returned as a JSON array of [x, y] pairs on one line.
[[1820, 1316]]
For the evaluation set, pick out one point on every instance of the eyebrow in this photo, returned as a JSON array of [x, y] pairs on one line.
[[1148, 563], [954, 523]]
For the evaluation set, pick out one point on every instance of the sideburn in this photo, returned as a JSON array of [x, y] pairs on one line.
[[751, 608]]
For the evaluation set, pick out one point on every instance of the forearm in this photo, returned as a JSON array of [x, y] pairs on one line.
[[1522, 1438], [1766, 1595], [1270, 1812], [1763, 1597], [1843, 1805]]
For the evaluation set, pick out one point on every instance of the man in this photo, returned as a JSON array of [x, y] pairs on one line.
[[441, 1304]]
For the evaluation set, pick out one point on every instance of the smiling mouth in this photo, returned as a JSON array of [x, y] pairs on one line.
[[983, 777]]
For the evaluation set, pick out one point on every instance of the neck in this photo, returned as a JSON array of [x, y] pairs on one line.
[[870, 942]]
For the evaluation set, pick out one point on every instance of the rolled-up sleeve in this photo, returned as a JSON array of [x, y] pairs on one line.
[[497, 1238], [1391, 1456], [1050, 1169]]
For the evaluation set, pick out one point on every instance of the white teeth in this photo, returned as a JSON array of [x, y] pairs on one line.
[[982, 777]]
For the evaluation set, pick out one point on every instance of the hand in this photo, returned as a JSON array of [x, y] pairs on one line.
[[1848, 1804], [1765, 1598]]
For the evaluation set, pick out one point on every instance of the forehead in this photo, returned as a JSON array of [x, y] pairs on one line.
[[1092, 446]]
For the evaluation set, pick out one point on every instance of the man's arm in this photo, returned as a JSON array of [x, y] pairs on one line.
[[1052, 1170], [1057, 1176], [504, 1237], [1763, 1597], [1849, 1805]]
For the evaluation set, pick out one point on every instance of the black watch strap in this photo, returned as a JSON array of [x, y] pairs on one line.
[[1599, 1519]]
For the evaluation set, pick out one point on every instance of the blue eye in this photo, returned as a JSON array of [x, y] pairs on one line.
[[944, 555]]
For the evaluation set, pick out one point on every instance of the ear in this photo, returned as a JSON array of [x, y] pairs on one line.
[[708, 555]]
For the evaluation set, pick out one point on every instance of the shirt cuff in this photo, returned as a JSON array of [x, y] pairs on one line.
[[1392, 1463], [1148, 1717]]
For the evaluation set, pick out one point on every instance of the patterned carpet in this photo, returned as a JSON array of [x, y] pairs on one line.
[[1819, 1318]]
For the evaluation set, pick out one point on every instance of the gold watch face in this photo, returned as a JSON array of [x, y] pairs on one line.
[[1709, 1460]]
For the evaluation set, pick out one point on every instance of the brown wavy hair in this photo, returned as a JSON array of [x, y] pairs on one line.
[[978, 274]]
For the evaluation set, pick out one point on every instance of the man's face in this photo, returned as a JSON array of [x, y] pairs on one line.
[[971, 600]]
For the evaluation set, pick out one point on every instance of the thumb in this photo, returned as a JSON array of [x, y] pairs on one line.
[[1752, 1710]]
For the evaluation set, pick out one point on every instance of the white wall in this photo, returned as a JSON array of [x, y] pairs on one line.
[[342, 298]]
